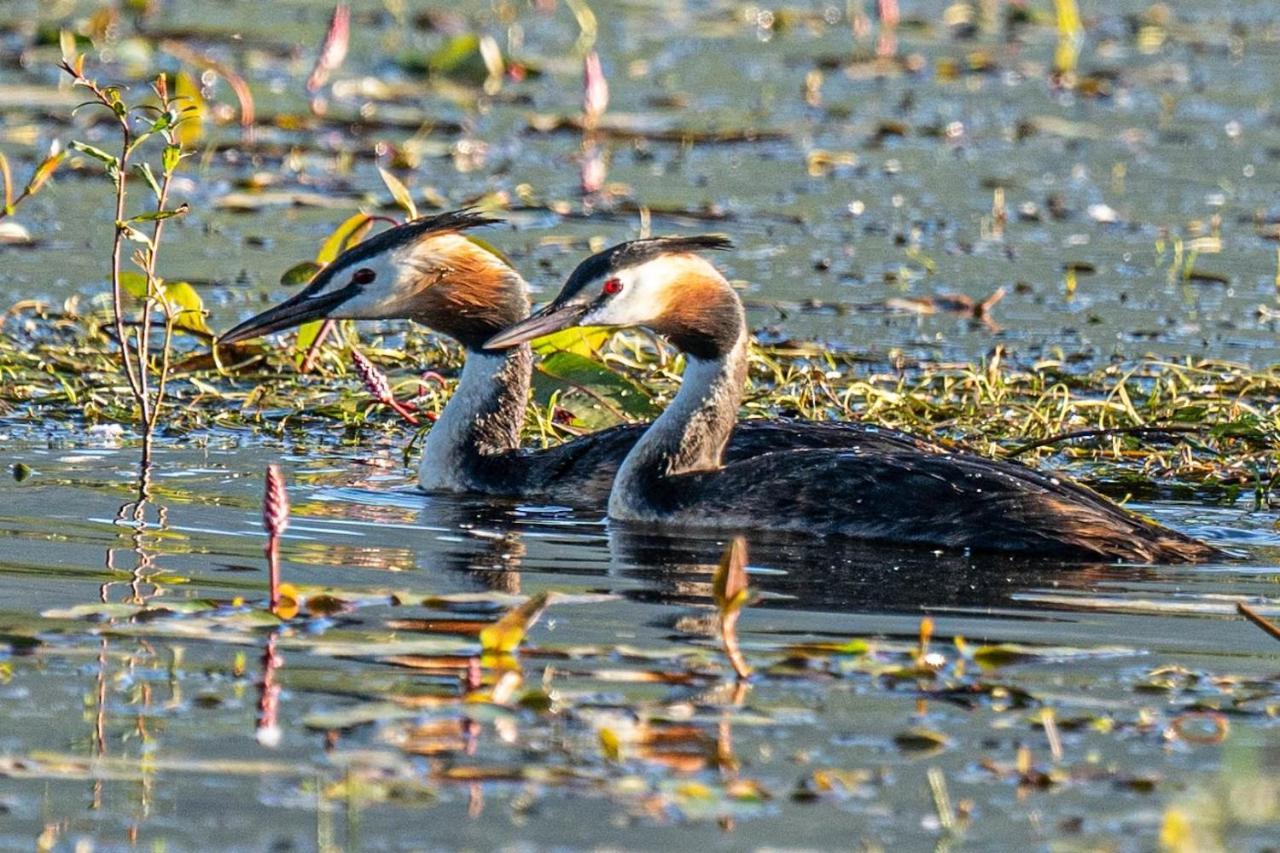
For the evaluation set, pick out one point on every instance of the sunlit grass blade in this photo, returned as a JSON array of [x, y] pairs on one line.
[[730, 590], [506, 635]]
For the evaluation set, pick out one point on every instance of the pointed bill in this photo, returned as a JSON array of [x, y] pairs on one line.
[[550, 319]]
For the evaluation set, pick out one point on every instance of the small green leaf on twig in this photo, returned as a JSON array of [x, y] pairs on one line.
[[109, 160], [157, 215], [133, 234], [171, 157], [143, 170]]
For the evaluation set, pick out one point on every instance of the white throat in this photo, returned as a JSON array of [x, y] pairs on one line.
[[454, 438], [690, 435]]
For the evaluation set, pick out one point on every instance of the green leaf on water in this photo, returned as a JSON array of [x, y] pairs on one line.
[[506, 635], [582, 340], [460, 59], [299, 273], [921, 740], [603, 397]]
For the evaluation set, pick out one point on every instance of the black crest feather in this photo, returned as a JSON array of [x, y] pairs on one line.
[[635, 252], [409, 232]]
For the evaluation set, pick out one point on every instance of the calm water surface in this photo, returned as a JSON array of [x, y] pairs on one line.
[[133, 730]]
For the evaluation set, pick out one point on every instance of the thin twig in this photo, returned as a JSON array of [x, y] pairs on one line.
[[1258, 619], [244, 96]]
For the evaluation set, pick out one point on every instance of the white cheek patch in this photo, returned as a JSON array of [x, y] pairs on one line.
[[635, 304]]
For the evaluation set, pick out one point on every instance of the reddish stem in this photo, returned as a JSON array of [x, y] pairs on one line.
[[268, 725], [313, 351], [273, 570]]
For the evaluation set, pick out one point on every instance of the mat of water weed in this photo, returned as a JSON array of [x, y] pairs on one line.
[[1031, 230]]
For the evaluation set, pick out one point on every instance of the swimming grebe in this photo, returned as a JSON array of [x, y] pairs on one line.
[[428, 270], [675, 475]]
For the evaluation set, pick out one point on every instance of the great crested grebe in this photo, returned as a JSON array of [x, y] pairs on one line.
[[428, 270], [676, 474]]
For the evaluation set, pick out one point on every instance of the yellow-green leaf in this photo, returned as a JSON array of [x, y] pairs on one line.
[[42, 173], [186, 91], [582, 340], [729, 584], [460, 58], [189, 313], [610, 744], [342, 238], [506, 635], [399, 192], [108, 160], [921, 740], [299, 273], [602, 396], [491, 249], [134, 284], [182, 299], [307, 334]]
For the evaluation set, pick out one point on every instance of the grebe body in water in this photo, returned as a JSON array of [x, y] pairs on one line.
[[430, 271], [677, 474]]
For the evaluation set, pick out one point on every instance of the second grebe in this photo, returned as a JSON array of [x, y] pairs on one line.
[[677, 476], [429, 271]]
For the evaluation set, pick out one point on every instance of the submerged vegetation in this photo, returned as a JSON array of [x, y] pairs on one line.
[[512, 672]]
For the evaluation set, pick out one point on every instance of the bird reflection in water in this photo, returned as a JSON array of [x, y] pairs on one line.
[[489, 544]]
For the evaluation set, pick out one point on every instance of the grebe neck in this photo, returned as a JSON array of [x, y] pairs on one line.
[[482, 419], [691, 434]]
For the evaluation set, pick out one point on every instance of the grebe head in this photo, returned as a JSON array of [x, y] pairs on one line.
[[425, 270], [657, 282]]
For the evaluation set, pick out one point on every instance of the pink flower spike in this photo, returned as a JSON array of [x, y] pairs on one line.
[[376, 382], [593, 172], [275, 519], [334, 48], [275, 505], [595, 90]]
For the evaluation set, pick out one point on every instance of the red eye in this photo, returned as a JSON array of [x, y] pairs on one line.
[[364, 275], [612, 286]]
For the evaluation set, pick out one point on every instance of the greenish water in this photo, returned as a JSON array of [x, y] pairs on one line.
[[131, 729]]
